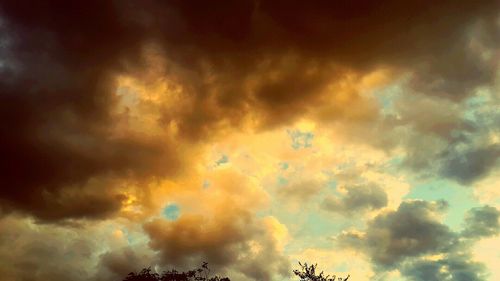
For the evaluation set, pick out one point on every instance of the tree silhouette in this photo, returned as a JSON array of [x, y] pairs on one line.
[[199, 274], [308, 273], [305, 273]]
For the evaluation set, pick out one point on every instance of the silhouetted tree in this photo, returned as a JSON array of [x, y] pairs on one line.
[[199, 274], [308, 273], [305, 273]]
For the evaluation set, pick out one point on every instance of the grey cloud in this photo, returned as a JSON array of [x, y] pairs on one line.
[[450, 268], [424, 270], [454, 143], [358, 198], [482, 222], [116, 264], [301, 191], [469, 71], [410, 231], [29, 252], [412, 240], [470, 165]]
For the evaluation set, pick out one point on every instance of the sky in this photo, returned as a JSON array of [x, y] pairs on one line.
[[360, 135]]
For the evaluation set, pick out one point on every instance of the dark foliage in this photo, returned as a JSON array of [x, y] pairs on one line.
[[308, 273], [199, 274]]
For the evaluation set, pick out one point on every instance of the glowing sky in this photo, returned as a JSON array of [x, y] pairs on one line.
[[361, 135]]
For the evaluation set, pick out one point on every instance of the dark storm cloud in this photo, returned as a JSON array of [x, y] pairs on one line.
[[56, 95], [282, 55], [231, 59], [482, 222], [357, 198]]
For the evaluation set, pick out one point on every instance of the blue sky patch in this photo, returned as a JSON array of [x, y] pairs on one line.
[[171, 212], [284, 165], [301, 139], [459, 198], [282, 180], [223, 160]]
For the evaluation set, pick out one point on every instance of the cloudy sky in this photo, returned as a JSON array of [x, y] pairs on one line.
[[251, 135]]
